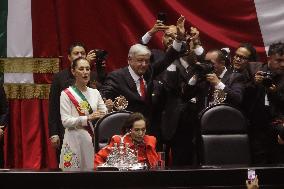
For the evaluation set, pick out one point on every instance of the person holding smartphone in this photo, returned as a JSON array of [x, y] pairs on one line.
[[252, 184], [172, 131]]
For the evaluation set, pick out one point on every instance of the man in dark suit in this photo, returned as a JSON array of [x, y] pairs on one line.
[[135, 82], [178, 116], [187, 95], [253, 105], [270, 82], [4, 112], [160, 88], [218, 78], [61, 81]]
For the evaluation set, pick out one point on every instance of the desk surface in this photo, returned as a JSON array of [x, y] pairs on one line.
[[219, 177]]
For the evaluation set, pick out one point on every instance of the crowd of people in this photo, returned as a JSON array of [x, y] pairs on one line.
[[166, 89]]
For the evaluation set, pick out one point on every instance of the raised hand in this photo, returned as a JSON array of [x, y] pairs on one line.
[[180, 29], [91, 56], [159, 26]]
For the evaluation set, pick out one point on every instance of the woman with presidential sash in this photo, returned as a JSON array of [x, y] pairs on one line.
[[79, 107]]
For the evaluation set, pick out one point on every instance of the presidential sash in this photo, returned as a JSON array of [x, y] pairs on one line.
[[81, 104]]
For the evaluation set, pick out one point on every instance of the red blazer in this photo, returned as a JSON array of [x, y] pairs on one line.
[[149, 154]]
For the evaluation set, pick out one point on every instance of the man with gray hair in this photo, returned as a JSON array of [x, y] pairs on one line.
[[135, 81]]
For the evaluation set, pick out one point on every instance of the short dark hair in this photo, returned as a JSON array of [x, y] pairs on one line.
[[75, 62], [276, 48], [220, 57], [77, 44], [253, 55], [128, 124]]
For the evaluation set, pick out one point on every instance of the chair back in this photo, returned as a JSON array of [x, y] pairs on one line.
[[109, 125], [224, 138]]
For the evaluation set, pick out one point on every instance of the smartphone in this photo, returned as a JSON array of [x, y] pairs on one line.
[[162, 17], [251, 174]]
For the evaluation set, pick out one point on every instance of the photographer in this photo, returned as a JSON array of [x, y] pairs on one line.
[[212, 74], [271, 80]]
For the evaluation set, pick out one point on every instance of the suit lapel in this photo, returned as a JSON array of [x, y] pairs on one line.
[[130, 82], [226, 77], [181, 69]]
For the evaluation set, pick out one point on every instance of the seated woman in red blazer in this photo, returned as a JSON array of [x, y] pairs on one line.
[[145, 145]]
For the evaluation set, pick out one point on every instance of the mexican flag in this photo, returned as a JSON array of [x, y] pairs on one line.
[[44, 28], [16, 35]]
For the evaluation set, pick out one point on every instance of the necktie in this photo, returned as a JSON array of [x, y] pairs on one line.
[[142, 88]]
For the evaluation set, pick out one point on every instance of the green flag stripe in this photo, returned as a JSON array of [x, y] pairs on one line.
[[80, 94]]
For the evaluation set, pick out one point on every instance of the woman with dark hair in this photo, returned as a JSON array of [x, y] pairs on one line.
[[80, 106], [133, 133]]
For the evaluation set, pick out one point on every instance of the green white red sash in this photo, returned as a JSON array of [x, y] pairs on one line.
[[79, 100], [81, 104]]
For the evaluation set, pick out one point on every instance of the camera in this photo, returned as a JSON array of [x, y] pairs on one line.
[[162, 17], [267, 79], [202, 69], [101, 55]]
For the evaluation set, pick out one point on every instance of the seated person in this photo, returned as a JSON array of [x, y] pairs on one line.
[[134, 130]]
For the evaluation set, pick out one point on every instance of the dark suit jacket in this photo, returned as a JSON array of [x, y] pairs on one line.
[[234, 87], [276, 99], [254, 106], [120, 82], [4, 109], [176, 105], [4, 118], [254, 97]]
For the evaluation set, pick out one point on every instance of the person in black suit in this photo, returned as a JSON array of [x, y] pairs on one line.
[[178, 116], [214, 75], [270, 80], [160, 88], [61, 81], [4, 116], [253, 106], [128, 81], [187, 95]]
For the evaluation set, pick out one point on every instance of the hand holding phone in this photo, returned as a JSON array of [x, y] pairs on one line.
[[252, 180], [161, 17], [251, 174]]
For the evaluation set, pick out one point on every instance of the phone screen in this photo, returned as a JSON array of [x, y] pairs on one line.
[[251, 174], [162, 17]]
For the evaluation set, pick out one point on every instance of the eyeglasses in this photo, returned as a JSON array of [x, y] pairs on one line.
[[240, 57]]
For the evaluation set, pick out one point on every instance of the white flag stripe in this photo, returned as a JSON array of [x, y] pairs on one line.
[[18, 78], [270, 15], [19, 37]]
